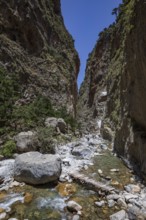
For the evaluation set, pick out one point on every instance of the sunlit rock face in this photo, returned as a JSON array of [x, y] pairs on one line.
[[119, 65], [93, 91], [38, 50]]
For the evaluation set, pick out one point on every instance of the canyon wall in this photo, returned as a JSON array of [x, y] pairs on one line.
[[119, 61], [38, 63]]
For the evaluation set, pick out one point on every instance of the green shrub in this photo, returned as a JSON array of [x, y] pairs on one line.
[[68, 118], [8, 149], [9, 87], [33, 114], [44, 140]]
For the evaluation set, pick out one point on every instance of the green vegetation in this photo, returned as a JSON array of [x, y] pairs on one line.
[[27, 116], [33, 114], [9, 88], [45, 140], [18, 117], [8, 149]]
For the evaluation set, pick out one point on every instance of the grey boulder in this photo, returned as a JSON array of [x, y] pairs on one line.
[[121, 215], [81, 151], [56, 123], [25, 141], [36, 168]]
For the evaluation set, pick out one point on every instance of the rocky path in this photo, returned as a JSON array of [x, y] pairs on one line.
[[79, 155]]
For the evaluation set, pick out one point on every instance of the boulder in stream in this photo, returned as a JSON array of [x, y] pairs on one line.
[[36, 168]]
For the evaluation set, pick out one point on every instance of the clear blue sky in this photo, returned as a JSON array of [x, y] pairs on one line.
[[84, 19]]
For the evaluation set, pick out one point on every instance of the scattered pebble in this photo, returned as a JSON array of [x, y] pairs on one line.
[[76, 217], [100, 204], [121, 215], [3, 216], [73, 206], [111, 203], [100, 171], [114, 170]]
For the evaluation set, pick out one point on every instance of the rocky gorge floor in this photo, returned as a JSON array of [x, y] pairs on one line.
[[90, 158]]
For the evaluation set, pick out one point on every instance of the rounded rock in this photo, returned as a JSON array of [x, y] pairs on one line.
[[73, 206], [36, 168]]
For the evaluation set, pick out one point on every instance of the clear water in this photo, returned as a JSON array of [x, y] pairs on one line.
[[49, 202]]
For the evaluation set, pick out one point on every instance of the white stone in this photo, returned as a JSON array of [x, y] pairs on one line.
[[100, 204], [12, 219], [121, 202], [113, 196], [14, 183], [76, 217], [129, 196], [114, 170], [111, 203], [3, 215], [74, 206], [132, 188], [100, 171], [121, 215]]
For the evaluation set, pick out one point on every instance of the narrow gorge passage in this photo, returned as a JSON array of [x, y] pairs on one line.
[[64, 154]]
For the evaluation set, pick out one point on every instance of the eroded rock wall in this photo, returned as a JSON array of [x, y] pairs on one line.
[[93, 91], [35, 46], [124, 79]]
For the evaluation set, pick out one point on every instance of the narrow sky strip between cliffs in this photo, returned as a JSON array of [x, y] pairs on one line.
[[85, 19]]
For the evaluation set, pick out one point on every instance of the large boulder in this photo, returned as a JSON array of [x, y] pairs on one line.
[[36, 168], [56, 123], [25, 141]]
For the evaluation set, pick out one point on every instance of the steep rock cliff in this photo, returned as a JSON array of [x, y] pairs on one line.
[[93, 91], [124, 79], [38, 62]]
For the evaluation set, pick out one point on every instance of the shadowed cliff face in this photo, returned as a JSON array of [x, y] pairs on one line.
[[121, 63], [36, 47], [130, 140]]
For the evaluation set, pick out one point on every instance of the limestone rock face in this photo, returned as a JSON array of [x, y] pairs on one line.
[[37, 57], [93, 91], [36, 168], [127, 91], [117, 66]]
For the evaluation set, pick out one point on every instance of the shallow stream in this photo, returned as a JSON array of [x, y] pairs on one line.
[[49, 202]]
